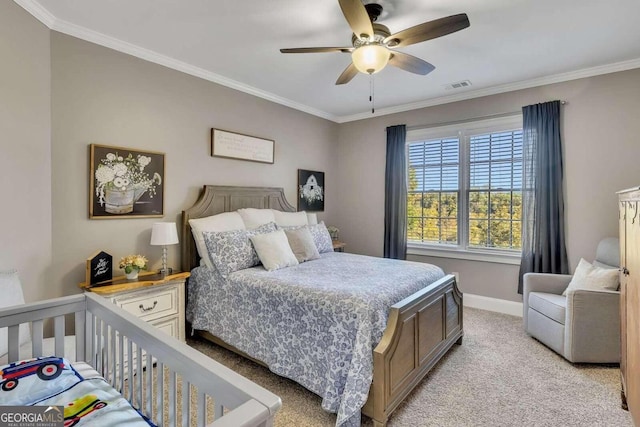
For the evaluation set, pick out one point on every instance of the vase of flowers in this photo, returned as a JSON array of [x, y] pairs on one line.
[[121, 181], [333, 232], [132, 264]]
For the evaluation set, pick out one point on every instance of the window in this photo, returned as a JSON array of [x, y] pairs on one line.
[[465, 186]]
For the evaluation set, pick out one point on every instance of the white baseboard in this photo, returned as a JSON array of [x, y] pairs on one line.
[[493, 304]]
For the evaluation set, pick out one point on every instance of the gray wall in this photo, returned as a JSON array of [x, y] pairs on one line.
[[106, 97], [59, 94], [25, 153], [600, 131]]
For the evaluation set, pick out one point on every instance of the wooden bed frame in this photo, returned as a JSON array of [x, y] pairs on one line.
[[420, 329]]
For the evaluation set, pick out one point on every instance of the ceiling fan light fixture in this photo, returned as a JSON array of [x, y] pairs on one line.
[[370, 58]]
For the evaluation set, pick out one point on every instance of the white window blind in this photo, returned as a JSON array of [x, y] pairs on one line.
[[434, 191], [465, 186], [495, 190]]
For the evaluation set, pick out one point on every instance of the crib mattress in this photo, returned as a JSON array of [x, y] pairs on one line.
[[86, 398]]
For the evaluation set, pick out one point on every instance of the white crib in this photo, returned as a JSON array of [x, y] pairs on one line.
[[121, 347]]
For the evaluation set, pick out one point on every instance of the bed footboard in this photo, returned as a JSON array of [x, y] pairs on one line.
[[420, 330], [158, 374]]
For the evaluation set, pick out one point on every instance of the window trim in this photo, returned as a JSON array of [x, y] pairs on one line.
[[463, 131], [438, 251]]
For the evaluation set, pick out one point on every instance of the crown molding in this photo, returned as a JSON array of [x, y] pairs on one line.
[[38, 11], [157, 58], [44, 16], [508, 87], [55, 24]]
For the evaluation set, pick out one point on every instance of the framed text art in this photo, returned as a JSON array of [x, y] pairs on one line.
[[310, 190], [234, 145], [125, 183], [99, 268]]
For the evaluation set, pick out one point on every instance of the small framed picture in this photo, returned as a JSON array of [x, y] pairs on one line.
[[125, 183], [310, 190], [234, 145]]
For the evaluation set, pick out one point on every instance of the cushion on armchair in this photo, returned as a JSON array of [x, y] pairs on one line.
[[551, 305], [590, 277]]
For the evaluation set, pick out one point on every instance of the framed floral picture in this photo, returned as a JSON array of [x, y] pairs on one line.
[[125, 183], [310, 190]]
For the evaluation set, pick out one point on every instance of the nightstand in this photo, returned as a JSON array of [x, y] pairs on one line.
[[154, 298], [338, 246]]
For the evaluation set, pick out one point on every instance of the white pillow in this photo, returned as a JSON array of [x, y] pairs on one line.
[[590, 277], [312, 218], [11, 292], [227, 221], [254, 218], [290, 219], [302, 244], [273, 250]]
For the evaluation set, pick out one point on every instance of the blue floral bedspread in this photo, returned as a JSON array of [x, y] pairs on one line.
[[316, 323]]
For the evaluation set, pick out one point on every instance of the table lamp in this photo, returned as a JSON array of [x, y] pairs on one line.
[[163, 234]]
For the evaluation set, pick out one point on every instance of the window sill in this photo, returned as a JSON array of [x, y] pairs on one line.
[[454, 253]]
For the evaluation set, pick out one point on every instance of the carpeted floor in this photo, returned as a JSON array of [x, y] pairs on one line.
[[498, 377]]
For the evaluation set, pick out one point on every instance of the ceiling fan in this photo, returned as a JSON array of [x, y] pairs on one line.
[[373, 45]]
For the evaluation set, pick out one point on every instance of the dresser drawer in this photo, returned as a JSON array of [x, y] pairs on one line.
[[151, 304], [168, 326]]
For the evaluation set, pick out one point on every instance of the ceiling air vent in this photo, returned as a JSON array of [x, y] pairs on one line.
[[458, 85]]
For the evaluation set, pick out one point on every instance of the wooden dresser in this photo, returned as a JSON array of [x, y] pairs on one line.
[[629, 218]]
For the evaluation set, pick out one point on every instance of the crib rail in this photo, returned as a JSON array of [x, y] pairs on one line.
[[167, 380]]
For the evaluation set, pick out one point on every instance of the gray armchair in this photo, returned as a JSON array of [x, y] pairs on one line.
[[584, 326]]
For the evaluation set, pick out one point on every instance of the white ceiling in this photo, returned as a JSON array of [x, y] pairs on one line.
[[510, 44]]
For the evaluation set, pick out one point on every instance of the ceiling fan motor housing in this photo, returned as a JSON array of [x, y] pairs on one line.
[[380, 32]]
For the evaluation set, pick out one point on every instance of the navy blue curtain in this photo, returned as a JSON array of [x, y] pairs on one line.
[[395, 199], [543, 229]]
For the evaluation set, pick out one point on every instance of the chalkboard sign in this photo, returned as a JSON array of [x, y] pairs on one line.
[[99, 268]]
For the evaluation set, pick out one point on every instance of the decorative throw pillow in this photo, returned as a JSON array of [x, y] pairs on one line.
[[11, 291], [302, 244], [590, 277], [320, 234], [321, 237], [226, 221], [232, 250], [274, 250]]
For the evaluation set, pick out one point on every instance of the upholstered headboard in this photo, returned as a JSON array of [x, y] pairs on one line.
[[215, 199]]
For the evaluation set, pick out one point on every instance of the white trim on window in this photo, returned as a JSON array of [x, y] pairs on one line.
[[455, 252]]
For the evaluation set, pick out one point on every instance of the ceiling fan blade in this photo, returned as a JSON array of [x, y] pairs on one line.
[[357, 17], [428, 30], [410, 63], [348, 74], [317, 49]]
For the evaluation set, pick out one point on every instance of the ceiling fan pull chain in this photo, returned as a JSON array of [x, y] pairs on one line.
[[372, 94]]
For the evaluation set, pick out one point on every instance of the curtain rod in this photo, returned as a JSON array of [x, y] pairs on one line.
[[471, 119]]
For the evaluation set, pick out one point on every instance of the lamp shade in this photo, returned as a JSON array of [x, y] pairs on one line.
[[370, 58], [164, 233]]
